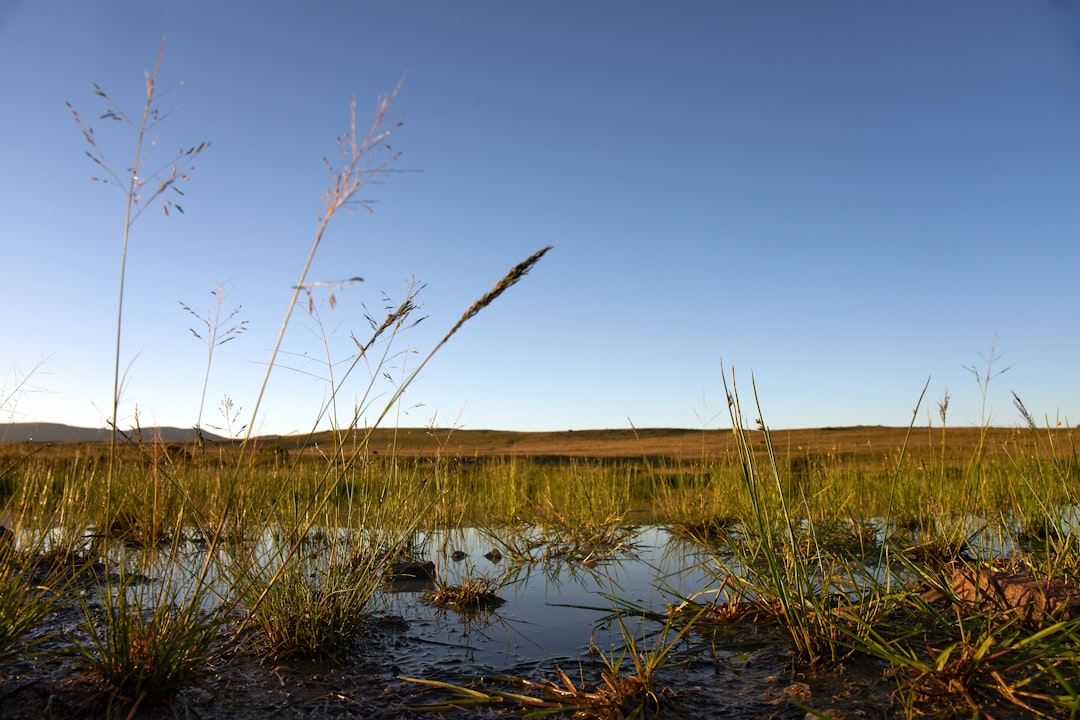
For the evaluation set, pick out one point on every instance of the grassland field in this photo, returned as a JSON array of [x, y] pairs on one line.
[[863, 444]]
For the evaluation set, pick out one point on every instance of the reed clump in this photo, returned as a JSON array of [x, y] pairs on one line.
[[313, 603], [148, 648]]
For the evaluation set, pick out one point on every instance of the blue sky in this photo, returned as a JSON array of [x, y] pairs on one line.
[[843, 199]]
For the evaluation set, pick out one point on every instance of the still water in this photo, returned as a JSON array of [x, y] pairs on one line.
[[555, 611]]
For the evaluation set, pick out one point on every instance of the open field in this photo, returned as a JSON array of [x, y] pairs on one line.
[[864, 444], [870, 444]]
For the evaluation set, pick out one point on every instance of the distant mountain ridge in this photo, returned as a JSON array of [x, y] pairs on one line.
[[58, 432]]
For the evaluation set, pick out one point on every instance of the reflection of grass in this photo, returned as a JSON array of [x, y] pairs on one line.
[[703, 529], [586, 540], [520, 544]]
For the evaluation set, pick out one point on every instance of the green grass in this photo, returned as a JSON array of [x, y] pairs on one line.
[[312, 604], [146, 647], [28, 592], [808, 556]]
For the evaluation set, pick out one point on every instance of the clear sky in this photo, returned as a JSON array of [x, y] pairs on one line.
[[844, 199]]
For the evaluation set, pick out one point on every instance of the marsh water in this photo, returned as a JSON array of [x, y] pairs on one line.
[[563, 614], [576, 614], [554, 611], [559, 613]]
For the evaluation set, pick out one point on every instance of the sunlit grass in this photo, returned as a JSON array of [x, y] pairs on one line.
[[828, 558], [147, 646]]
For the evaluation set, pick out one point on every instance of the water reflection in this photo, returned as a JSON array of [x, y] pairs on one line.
[[552, 607], [557, 606]]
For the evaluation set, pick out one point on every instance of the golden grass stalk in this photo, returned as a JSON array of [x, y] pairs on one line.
[[509, 280]]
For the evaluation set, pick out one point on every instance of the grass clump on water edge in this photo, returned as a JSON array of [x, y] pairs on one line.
[[146, 648], [583, 513], [778, 573], [312, 604], [471, 595], [627, 683]]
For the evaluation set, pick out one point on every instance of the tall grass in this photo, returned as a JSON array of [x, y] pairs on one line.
[[359, 161], [789, 578], [799, 554], [29, 590], [143, 182], [146, 647]]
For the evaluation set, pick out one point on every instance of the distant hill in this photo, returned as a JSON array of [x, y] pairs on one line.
[[56, 432]]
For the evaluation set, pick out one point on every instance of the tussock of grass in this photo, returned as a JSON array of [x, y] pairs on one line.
[[311, 608], [471, 595], [148, 650]]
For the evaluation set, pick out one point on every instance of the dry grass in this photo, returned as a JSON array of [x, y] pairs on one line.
[[861, 446]]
